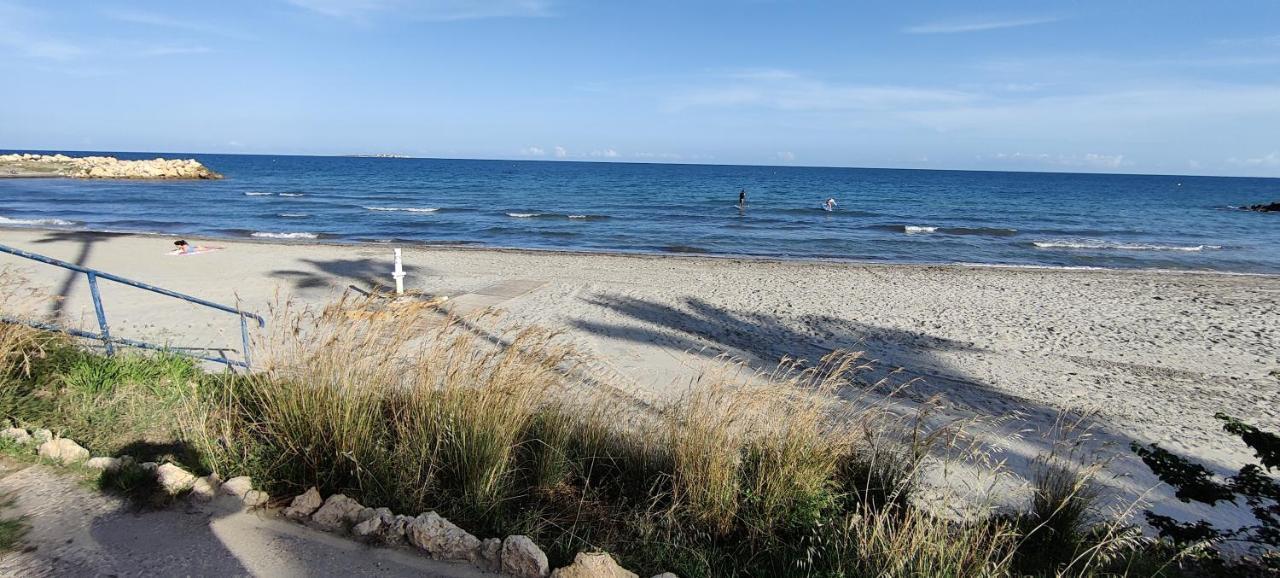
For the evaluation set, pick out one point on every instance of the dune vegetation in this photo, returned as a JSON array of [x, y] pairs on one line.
[[803, 471]]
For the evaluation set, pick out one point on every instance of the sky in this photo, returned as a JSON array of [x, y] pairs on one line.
[[1168, 87]]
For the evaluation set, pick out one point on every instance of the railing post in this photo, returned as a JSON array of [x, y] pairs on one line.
[[102, 314], [244, 336]]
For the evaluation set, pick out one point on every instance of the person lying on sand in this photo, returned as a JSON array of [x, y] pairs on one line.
[[185, 248]]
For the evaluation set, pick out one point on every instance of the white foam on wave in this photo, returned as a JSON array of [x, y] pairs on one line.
[[257, 194], [36, 222], [523, 215], [294, 215], [301, 235], [913, 229], [1109, 245], [291, 194], [579, 216], [405, 209]]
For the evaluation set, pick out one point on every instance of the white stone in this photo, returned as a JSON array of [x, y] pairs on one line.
[[442, 539], [490, 558], [304, 505], [237, 486], [17, 434], [174, 479], [255, 498], [593, 565], [105, 464], [337, 513], [63, 450], [523, 559], [206, 488]]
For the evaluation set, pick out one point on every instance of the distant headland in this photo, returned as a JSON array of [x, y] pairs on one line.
[[27, 165]]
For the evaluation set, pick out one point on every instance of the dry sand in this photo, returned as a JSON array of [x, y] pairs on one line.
[[1155, 354]]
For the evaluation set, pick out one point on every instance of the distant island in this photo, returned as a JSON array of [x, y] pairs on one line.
[[27, 165]]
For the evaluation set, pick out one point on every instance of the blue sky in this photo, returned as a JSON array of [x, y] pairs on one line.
[[1146, 87]]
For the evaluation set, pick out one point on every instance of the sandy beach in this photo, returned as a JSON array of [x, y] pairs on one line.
[[1154, 354]]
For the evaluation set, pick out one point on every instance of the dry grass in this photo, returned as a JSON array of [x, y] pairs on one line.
[[795, 472]]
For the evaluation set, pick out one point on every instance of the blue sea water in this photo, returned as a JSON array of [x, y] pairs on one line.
[[886, 215]]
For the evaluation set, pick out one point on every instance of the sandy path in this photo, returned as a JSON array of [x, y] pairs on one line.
[[1156, 354], [75, 531]]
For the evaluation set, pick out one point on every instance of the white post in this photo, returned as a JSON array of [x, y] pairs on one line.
[[399, 274]]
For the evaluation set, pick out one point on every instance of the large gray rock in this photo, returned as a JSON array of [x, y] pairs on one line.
[[174, 479], [255, 498], [206, 488], [17, 434], [373, 523], [523, 559], [397, 531], [442, 539], [237, 486], [304, 505], [63, 450], [106, 464], [338, 513], [490, 559], [593, 565]]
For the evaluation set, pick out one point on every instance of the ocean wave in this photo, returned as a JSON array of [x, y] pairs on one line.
[[915, 229], [293, 215], [1096, 244], [36, 222], [299, 235], [257, 194], [524, 215], [291, 194], [404, 209], [985, 231]]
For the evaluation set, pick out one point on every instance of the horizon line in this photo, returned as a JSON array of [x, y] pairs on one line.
[[399, 157]]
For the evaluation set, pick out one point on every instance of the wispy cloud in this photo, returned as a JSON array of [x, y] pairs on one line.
[[1087, 160], [791, 91], [606, 154], [158, 20], [561, 152], [20, 34], [533, 151], [962, 26], [431, 10], [1271, 159]]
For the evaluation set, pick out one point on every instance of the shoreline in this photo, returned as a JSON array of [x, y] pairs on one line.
[[1147, 355], [718, 257]]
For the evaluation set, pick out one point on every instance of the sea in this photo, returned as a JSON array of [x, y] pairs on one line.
[[882, 215]]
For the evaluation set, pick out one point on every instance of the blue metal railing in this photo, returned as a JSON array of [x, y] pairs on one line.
[[105, 336]]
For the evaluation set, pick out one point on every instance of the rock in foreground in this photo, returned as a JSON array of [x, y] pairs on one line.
[[1266, 208], [31, 165]]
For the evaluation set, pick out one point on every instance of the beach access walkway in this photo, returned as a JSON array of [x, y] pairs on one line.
[[78, 531]]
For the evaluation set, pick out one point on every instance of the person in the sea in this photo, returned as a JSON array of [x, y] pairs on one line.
[[742, 197], [830, 204]]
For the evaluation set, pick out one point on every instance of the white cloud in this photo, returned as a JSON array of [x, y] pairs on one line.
[[560, 152], [174, 50], [433, 10], [786, 156], [961, 26], [533, 151], [606, 153], [1087, 160], [1271, 159], [158, 20], [791, 91], [18, 32]]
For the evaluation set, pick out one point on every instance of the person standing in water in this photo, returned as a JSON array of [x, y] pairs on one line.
[[742, 198], [830, 204]]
